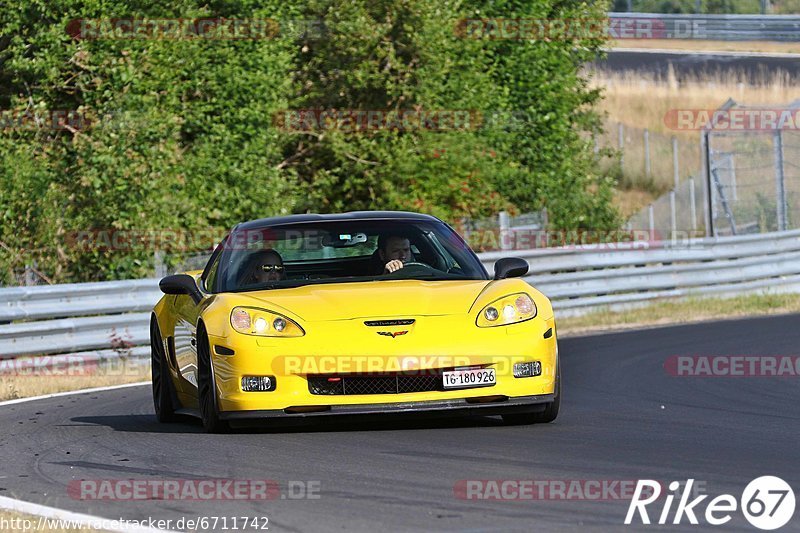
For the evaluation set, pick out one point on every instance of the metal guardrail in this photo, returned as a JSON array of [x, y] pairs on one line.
[[77, 299], [712, 27], [87, 317]]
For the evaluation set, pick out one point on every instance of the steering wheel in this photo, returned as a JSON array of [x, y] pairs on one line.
[[416, 264], [413, 264]]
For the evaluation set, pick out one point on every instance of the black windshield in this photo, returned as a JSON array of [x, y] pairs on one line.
[[291, 255]]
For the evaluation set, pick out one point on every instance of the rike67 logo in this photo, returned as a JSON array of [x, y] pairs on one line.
[[767, 502]]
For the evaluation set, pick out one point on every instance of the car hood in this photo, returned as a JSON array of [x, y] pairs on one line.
[[379, 299]]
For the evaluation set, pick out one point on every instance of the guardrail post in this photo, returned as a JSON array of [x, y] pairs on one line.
[[692, 204], [780, 181], [646, 152], [675, 170], [505, 230], [158, 264]]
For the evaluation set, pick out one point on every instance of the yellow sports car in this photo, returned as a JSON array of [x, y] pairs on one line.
[[357, 313]]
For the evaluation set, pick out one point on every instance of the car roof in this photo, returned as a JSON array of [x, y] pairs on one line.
[[349, 216]]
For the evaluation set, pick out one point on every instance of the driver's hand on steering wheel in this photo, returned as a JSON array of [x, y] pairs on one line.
[[393, 266]]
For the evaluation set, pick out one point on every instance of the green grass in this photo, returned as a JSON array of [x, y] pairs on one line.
[[694, 309]]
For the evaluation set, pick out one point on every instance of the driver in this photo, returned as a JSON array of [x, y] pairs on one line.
[[263, 266], [394, 251]]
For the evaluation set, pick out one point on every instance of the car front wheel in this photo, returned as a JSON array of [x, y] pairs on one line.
[[206, 389], [163, 392]]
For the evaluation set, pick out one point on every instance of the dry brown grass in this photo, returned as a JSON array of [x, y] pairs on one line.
[[642, 102], [712, 46], [682, 311], [631, 201]]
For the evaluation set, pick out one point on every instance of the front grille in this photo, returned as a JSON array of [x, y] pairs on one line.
[[380, 384]]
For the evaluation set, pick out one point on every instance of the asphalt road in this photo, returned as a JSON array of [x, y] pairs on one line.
[[623, 418], [699, 65]]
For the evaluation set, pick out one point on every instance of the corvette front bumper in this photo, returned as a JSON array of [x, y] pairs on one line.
[[337, 346], [486, 406]]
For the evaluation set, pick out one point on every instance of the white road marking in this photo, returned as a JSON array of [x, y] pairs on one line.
[[73, 392]]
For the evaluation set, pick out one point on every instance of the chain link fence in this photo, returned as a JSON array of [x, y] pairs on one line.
[[646, 160], [747, 181], [754, 181], [679, 212]]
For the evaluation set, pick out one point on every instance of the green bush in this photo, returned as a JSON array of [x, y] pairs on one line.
[[183, 136]]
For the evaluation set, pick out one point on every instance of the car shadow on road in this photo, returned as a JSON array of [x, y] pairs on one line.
[[342, 423]]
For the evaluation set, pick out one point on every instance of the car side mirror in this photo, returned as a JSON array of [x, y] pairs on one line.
[[181, 284], [510, 267]]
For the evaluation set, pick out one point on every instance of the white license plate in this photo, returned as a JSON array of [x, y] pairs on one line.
[[476, 377]]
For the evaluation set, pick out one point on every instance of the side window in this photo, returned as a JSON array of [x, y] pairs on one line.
[[210, 273], [211, 279]]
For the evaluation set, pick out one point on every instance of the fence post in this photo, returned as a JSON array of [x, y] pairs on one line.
[[675, 169], [652, 221], [30, 278], [732, 174], [621, 131], [692, 205], [780, 183], [505, 230], [705, 166], [646, 152], [673, 223]]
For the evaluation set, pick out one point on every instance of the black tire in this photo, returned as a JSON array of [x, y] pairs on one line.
[[164, 397], [206, 388], [549, 414]]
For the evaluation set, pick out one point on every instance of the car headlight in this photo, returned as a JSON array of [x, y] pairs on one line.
[[254, 321], [507, 310]]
